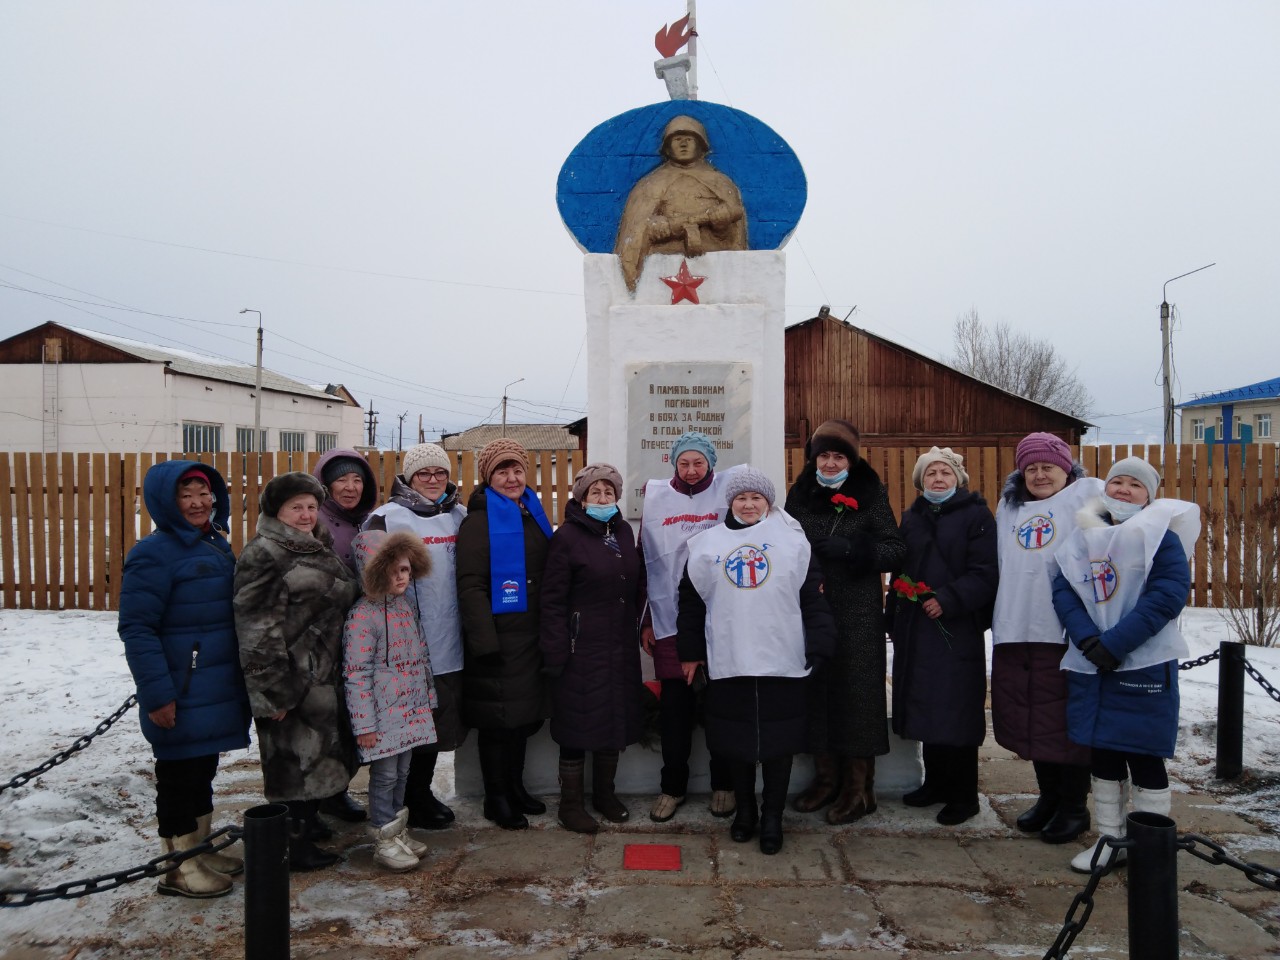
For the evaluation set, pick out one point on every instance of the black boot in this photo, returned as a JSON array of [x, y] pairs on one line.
[[960, 785], [521, 799], [341, 805], [773, 798], [1072, 816], [303, 854], [746, 816], [931, 791], [1046, 805], [604, 767], [497, 796], [572, 813], [425, 811]]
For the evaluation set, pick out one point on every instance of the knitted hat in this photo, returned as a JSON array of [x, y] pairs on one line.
[[286, 487], [1140, 470], [748, 480], [339, 467], [593, 472], [1043, 448], [834, 436], [944, 455], [498, 452], [195, 473], [422, 457], [698, 443]]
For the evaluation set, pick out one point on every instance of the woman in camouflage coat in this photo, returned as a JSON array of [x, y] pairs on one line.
[[292, 593], [844, 510]]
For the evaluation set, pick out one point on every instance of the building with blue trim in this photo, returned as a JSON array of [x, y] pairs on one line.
[[1247, 413]]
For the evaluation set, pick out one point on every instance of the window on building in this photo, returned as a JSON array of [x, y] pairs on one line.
[[293, 441], [201, 437], [244, 440], [1261, 426], [1197, 428], [325, 441]]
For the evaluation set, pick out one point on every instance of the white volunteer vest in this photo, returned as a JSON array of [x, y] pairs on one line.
[[670, 519], [1028, 537], [437, 593], [750, 580], [1107, 567]]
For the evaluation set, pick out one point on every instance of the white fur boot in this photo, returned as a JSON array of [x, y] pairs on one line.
[[1110, 805], [1151, 801], [222, 863], [416, 847], [191, 878], [388, 851]]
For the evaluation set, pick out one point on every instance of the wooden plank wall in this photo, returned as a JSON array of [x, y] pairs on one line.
[[67, 522]]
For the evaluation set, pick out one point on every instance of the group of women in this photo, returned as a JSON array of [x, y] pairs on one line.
[[481, 617]]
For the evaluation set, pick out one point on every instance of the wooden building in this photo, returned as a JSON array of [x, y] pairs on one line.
[[897, 397]]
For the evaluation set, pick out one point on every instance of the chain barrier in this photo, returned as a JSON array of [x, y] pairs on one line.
[[23, 778], [1255, 872], [74, 889], [1071, 927], [1200, 661], [1252, 671]]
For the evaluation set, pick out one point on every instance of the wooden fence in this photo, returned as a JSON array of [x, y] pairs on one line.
[[69, 520]]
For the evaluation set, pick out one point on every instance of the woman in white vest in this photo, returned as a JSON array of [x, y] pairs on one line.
[[753, 615], [1036, 514], [1124, 579], [424, 502], [676, 508]]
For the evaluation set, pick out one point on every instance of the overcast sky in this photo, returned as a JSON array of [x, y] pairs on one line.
[[379, 178]]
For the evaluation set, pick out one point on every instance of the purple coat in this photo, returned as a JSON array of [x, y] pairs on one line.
[[345, 524], [592, 593]]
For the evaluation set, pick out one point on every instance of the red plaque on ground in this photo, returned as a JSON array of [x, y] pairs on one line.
[[650, 856]]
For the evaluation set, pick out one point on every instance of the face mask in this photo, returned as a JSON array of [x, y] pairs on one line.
[[835, 481], [1120, 510], [748, 523], [603, 512], [934, 497]]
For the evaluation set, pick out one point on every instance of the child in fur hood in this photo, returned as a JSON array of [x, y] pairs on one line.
[[389, 687], [1124, 579]]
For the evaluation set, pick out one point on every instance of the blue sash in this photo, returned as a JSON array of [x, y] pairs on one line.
[[508, 584]]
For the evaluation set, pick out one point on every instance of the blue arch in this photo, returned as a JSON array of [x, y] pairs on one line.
[[598, 175]]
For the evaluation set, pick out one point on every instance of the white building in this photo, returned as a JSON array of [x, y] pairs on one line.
[[70, 390]]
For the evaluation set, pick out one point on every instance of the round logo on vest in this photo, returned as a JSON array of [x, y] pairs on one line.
[[747, 567], [1036, 532], [1105, 580]]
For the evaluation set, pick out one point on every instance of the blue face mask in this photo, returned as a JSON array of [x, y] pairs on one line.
[[835, 481], [1121, 510], [934, 497], [604, 512]]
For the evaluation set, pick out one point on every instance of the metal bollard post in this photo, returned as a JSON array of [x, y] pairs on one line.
[[1230, 710], [1153, 887], [266, 882]]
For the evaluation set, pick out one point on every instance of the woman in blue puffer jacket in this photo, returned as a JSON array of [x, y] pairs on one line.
[[179, 636]]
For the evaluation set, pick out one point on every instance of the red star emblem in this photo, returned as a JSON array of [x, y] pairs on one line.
[[684, 285]]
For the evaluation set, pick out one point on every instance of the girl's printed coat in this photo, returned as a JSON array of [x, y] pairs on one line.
[[389, 686]]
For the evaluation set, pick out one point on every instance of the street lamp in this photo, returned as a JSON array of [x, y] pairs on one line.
[[504, 403], [257, 390], [1166, 352]]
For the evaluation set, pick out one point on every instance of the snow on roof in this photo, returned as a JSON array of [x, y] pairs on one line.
[[1262, 390], [211, 368]]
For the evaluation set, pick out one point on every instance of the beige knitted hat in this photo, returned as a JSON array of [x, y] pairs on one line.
[[593, 472], [940, 455]]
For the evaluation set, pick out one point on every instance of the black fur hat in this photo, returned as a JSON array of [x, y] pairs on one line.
[[840, 436], [286, 486]]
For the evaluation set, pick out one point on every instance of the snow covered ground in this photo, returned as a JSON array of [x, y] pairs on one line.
[[61, 672]]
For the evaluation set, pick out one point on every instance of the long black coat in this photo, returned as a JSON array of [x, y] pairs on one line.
[[847, 714], [502, 683], [590, 619], [940, 681]]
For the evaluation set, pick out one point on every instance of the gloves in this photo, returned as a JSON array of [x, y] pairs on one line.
[[1098, 655], [832, 548]]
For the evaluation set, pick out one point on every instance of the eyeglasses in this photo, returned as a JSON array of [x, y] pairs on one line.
[[430, 475]]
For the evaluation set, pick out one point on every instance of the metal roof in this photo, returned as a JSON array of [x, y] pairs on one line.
[[197, 365], [531, 436], [1262, 390]]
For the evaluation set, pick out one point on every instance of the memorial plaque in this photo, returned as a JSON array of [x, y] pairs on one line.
[[666, 399]]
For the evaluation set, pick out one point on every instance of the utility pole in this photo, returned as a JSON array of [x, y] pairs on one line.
[[257, 443], [1166, 352], [400, 445], [373, 424], [504, 403]]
